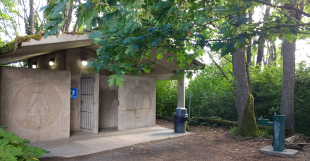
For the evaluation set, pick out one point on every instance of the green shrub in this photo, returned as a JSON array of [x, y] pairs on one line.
[[166, 97], [266, 133], [234, 130], [188, 128], [13, 148], [301, 99], [213, 96]]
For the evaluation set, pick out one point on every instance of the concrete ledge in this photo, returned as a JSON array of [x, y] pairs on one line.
[[286, 153]]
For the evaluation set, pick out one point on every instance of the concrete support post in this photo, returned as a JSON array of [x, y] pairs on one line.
[[181, 94], [180, 116]]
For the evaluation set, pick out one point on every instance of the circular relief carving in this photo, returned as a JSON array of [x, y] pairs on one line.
[[138, 102], [36, 106]]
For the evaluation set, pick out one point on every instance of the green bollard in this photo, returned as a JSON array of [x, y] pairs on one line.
[[278, 132]]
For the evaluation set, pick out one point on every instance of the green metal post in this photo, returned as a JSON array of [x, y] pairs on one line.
[[278, 132]]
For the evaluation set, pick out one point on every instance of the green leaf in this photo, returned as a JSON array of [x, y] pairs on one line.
[[170, 58], [115, 79], [43, 8], [54, 30], [159, 56], [87, 4], [95, 34], [127, 41]]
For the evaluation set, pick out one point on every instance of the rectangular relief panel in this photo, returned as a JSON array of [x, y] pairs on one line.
[[137, 102], [36, 103]]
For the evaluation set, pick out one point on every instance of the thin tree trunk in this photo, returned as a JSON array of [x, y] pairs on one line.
[[274, 51], [67, 25], [260, 50], [249, 48], [31, 17], [249, 53]]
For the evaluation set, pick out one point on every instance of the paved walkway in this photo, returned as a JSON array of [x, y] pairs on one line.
[[83, 143]]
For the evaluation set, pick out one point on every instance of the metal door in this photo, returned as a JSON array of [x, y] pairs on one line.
[[87, 103]]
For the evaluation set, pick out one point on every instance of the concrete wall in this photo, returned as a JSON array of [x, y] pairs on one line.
[[70, 60], [137, 106], [43, 61], [108, 105], [35, 103], [74, 64]]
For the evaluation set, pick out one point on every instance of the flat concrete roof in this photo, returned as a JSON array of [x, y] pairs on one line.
[[54, 43], [83, 143], [50, 44]]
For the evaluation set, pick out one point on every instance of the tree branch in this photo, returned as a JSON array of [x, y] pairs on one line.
[[288, 16], [305, 24], [285, 7], [217, 66]]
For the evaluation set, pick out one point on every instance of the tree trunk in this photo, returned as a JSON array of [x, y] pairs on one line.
[[249, 53], [260, 50], [288, 83], [274, 51], [67, 25], [249, 48], [260, 54], [31, 17], [242, 86]]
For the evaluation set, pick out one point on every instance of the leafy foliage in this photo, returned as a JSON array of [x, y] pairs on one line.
[[128, 31], [13, 148], [212, 95], [266, 85], [166, 97], [302, 101], [8, 17]]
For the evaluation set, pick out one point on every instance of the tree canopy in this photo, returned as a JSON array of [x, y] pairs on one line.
[[128, 30]]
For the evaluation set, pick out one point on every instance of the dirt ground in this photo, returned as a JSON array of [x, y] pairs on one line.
[[207, 143]]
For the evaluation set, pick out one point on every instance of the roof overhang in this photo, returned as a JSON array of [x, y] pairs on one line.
[[45, 45], [54, 43]]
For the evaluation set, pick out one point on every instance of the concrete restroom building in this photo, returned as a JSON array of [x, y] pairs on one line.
[[55, 94]]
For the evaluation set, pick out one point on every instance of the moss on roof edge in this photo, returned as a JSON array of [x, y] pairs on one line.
[[14, 44]]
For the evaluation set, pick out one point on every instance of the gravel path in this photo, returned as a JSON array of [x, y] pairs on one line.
[[208, 143]]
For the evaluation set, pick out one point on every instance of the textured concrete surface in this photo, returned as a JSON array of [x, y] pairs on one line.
[[181, 93], [108, 103], [83, 143], [286, 153], [137, 102], [74, 64], [35, 103], [43, 61]]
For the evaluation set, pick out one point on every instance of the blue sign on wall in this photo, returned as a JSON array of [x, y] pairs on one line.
[[73, 93]]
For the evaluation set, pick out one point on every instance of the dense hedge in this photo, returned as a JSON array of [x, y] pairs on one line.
[[213, 96]]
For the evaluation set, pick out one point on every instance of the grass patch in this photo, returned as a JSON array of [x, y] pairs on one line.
[[234, 130]]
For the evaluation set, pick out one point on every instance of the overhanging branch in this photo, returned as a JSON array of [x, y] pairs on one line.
[[285, 7]]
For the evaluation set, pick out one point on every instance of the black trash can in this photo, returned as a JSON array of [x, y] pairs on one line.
[[179, 118]]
